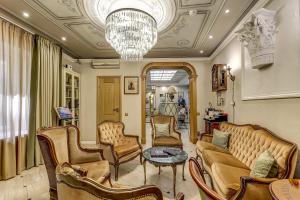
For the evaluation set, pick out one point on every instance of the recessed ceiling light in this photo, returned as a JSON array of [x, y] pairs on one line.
[[201, 51], [210, 37], [227, 11], [25, 14], [63, 38], [192, 12]]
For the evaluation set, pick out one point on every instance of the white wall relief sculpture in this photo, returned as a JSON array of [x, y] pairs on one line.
[[258, 36]]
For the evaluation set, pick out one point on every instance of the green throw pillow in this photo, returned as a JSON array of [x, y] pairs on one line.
[[220, 138], [162, 130], [265, 166]]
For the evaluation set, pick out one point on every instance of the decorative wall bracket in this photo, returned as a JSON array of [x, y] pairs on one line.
[[258, 36]]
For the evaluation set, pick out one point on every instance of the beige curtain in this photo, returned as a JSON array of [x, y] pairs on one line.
[[45, 93], [15, 71]]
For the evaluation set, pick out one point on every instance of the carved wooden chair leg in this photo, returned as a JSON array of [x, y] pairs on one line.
[[116, 172], [141, 158]]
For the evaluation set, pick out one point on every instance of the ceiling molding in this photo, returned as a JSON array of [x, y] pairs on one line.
[[43, 6], [209, 3], [232, 34]]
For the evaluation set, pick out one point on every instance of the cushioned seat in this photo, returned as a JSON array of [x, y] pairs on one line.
[[173, 139], [125, 149], [227, 178], [118, 147], [211, 157], [97, 171], [166, 141], [201, 146]]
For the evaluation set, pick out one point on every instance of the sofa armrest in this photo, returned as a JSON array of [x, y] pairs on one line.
[[253, 185], [108, 152], [205, 137]]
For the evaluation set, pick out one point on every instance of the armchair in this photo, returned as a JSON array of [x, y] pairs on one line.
[[198, 177], [61, 144], [117, 147], [73, 185], [174, 138]]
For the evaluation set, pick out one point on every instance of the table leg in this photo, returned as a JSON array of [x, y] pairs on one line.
[[174, 179], [144, 164], [183, 171], [159, 170]]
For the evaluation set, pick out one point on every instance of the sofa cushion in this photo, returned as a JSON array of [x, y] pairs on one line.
[[227, 178], [125, 149], [98, 171], [211, 157], [201, 146], [166, 141], [265, 166], [220, 139]]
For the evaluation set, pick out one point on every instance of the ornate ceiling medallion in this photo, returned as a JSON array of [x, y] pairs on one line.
[[163, 11], [131, 27]]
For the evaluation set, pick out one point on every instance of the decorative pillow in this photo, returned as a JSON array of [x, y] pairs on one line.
[[162, 130], [220, 138], [265, 166]]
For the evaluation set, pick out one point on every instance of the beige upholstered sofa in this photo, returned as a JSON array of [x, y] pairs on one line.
[[74, 185], [61, 144], [230, 169], [174, 140], [117, 147]]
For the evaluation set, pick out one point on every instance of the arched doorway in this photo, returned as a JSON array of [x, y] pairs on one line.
[[192, 91]]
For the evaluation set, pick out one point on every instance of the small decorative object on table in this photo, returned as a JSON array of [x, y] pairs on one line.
[[285, 189]]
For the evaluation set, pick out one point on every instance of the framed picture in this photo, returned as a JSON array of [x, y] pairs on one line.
[[131, 84], [219, 77]]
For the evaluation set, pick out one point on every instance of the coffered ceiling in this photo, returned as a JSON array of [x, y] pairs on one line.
[[185, 36]]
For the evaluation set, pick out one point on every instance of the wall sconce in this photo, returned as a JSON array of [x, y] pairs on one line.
[[231, 76]]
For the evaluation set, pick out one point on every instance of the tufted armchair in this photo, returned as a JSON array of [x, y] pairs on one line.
[[61, 144], [174, 138], [229, 169], [72, 184], [117, 147]]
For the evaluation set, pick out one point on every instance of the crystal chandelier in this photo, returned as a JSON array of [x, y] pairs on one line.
[[131, 32]]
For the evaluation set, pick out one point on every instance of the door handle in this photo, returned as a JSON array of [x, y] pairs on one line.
[[116, 109]]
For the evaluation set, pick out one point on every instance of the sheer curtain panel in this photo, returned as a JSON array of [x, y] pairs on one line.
[[15, 70]]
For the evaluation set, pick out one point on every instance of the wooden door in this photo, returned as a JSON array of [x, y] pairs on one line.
[[108, 99]]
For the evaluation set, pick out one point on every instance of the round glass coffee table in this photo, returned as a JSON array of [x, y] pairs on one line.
[[163, 157]]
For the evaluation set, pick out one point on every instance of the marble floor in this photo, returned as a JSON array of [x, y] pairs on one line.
[[33, 184]]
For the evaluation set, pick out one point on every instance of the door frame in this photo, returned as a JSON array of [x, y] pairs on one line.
[[192, 92], [97, 103]]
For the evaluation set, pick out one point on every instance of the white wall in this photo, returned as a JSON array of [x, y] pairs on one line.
[[282, 116], [131, 104]]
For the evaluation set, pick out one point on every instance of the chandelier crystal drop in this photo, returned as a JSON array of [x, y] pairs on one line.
[[131, 32]]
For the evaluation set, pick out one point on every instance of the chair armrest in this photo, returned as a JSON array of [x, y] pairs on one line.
[[108, 152], [205, 137], [133, 139], [176, 134], [179, 196], [93, 150], [249, 185]]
